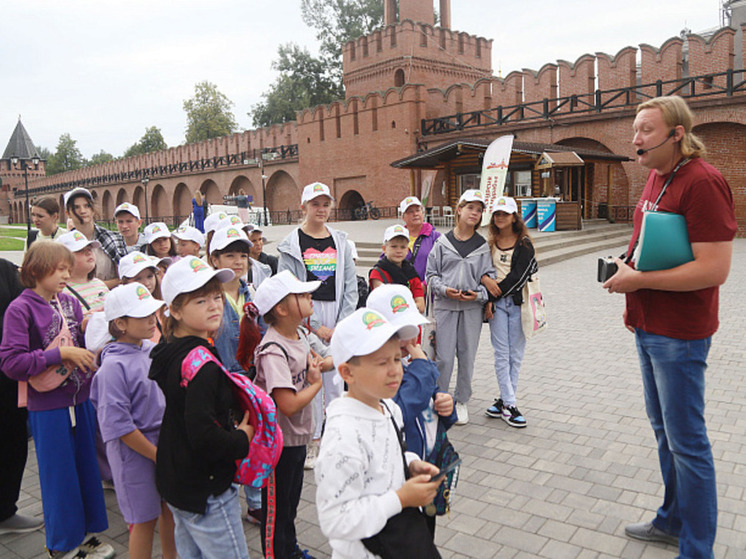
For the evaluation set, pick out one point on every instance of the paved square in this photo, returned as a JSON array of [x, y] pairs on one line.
[[586, 464]]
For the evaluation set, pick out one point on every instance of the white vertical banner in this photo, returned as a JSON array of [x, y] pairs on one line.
[[494, 172], [428, 177]]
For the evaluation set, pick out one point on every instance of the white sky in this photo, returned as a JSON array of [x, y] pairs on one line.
[[105, 70]]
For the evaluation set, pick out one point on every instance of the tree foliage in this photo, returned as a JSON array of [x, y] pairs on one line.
[[303, 82], [151, 141], [209, 114], [67, 157], [339, 21], [99, 158]]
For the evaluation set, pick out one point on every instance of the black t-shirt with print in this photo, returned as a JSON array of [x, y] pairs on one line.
[[320, 259]]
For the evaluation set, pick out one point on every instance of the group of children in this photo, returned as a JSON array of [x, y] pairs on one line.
[[174, 428]]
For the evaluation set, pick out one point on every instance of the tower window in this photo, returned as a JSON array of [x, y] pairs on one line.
[[399, 78]]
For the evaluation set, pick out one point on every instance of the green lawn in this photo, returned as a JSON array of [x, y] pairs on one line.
[[6, 231], [11, 244]]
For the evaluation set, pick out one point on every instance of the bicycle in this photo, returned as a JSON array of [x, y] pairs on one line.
[[367, 210]]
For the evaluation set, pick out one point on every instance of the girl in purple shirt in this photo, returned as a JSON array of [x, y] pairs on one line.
[[62, 420], [130, 409]]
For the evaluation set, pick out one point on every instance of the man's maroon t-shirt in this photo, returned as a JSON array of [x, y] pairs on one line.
[[701, 194]]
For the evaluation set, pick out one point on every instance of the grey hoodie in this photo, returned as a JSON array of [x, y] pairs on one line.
[[345, 283], [446, 268]]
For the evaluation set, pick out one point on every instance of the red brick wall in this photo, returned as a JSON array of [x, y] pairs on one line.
[[716, 54], [619, 71], [577, 78], [726, 150], [540, 85]]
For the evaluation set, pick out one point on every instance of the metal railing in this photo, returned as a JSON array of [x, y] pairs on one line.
[[161, 171], [724, 84]]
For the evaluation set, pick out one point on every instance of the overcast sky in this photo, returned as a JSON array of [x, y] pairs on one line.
[[105, 70]]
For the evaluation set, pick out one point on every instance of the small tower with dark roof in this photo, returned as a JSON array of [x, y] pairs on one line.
[[12, 177]]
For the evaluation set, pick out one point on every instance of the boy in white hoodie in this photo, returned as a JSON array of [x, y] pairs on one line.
[[359, 475]]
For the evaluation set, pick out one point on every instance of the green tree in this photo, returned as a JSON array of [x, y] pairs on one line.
[[303, 82], [151, 141], [99, 158], [66, 158], [209, 114], [43, 152], [339, 21]]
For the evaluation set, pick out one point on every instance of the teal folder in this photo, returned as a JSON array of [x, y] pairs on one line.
[[664, 242]]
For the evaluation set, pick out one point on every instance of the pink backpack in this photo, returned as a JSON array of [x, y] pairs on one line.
[[266, 446]]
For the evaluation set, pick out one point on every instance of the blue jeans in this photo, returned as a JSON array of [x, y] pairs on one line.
[[509, 345], [217, 534], [673, 377]]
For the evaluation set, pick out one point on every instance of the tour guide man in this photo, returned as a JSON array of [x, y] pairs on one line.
[[673, 314]]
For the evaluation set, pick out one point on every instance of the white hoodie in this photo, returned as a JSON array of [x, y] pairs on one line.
[[358, 471]]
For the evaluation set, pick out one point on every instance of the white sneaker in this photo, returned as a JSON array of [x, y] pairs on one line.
[[76, 553], [96, 549], [462, 411], [312, 452]]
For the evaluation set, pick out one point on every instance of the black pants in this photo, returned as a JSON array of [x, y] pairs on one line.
[[288, 486], [13, 446]]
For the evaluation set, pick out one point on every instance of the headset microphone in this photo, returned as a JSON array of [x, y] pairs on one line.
[[644, 151]]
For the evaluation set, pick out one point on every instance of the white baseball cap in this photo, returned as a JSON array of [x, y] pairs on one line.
[[78, 191], [363, 332], [189, 233], [472, 195], [227, 235], [189, 274], [274, 289], [395, 231], [229, 221], [504, 204], [249, 227], [409, 201], [135, 262], [129, 208], [314, 190], [75, 241], [353, 248], [396, 303], [157, 230], [133, 300], [211, 221]]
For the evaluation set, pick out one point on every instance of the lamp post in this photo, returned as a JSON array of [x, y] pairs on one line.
[[15, 160], [264, 189], [145, 181]]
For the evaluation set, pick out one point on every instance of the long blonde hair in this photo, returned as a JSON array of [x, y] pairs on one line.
[[198, 197], [677, 113]]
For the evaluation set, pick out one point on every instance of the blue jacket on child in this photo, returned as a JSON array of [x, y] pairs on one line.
[[418, 388]]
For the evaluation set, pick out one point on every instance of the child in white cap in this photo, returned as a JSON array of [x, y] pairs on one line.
[[203, 433], [316, 252], [127, 217], [360, 474], [393, 267], [88, 289], [129, 407], [289, 370], [160, 243], [143, 269], [513, 258], [427, 412], [189, 241], [455, 268]]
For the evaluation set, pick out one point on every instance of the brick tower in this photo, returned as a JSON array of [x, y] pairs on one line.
[[411, 50]]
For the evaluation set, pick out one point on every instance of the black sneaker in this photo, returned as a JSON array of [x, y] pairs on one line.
[[513, 417], [496, 409]]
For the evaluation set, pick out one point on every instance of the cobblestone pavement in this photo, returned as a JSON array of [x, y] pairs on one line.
[[586, 464]]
